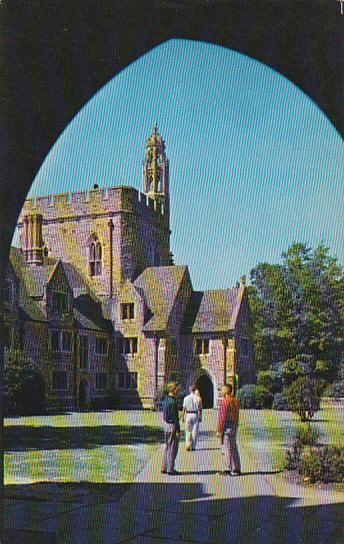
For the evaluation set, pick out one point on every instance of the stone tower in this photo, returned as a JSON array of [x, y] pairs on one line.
[[109, 235], [156, 171]]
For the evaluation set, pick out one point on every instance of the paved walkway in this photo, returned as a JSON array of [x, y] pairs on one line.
[[199, 506]]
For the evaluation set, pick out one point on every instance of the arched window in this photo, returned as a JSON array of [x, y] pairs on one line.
[[159, 184], [95, 256]]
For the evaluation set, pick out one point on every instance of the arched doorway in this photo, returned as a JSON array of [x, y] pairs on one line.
[[206, 389]]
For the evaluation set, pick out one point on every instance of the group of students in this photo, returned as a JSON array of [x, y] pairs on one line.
[[227, 426]]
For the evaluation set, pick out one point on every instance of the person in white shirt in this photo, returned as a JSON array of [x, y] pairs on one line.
[[192, 415]]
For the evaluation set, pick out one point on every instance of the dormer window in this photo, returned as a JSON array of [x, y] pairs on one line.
[[202, 346], [127, 311], [59, 301], [95, 256]]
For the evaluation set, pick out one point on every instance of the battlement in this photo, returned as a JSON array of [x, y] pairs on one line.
[[96, 201]]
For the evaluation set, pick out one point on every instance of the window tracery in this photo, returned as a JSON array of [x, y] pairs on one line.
[[95, 256]]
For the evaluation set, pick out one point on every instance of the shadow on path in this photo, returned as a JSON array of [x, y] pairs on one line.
[[167, 512]]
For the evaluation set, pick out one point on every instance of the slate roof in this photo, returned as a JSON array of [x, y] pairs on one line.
[[34, 278], [87, 311], [30, 309], [88, 314], [75, 280], [159, 286], [212, 311]]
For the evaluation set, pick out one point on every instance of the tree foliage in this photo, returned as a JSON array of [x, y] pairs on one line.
[[298, 314], [24, 390]]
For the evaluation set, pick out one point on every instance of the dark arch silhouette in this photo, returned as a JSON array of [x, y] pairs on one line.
[[206, 388], [56, 55]]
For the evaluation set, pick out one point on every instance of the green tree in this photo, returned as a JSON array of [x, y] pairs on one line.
[[24, 390], [319, 283], [298, 314]]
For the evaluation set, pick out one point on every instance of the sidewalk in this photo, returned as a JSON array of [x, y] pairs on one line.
[[199, 506]]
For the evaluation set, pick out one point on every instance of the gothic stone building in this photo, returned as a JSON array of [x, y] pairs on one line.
[[94, 299]]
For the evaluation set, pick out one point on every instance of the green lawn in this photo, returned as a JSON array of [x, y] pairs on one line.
[[114, 446], [94, 447], [274, 431]]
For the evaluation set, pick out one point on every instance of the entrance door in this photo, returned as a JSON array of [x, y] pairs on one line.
[[206, 389]]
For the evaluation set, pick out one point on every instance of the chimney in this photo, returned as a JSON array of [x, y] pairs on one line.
[[33, 240]]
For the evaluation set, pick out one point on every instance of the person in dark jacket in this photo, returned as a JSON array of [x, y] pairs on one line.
[[171, 428]]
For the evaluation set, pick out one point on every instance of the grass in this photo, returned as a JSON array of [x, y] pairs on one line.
[[95, 447], [105, 447], [274, 431]]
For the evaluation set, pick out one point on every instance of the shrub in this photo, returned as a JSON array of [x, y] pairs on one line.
[[263, 397], [269, 380], [290, 460], [335, 390], [246, 396], [322, 464], [303, 398], [315, 462], [280, 402], [254, 396], [24, 388], [304, 436]]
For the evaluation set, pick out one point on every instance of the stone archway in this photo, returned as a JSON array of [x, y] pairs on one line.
[[206, 388]]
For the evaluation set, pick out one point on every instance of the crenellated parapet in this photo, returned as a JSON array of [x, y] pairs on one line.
[[68, 206]]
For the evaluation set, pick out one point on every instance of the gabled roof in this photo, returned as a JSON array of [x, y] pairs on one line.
[[159, 286], [213, 311], [75, 280], [34, 278], [127, 291], [87, 311]]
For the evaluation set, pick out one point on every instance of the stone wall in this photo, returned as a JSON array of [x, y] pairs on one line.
[[140, 231]]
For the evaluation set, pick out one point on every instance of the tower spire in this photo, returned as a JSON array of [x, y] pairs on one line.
[[156, 170]]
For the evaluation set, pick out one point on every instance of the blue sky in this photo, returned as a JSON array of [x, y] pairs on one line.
[[254, 163]]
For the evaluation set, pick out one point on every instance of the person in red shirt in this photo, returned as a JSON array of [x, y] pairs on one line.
[[227, 427]]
